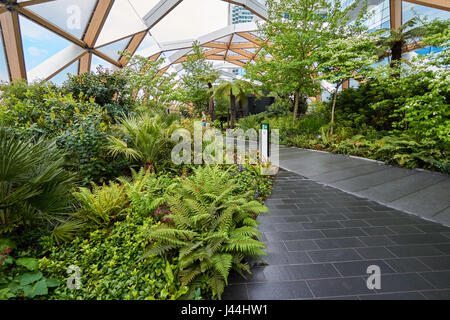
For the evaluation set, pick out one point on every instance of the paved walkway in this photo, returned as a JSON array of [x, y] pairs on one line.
[[320, 240], [418, 192]]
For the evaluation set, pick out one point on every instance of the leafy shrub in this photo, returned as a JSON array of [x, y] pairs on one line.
[[21, 278], [80, 126], [101, 205], [35, 186], [210, 230], [249, 178], [109, 89], [147, 140], [111, 265]]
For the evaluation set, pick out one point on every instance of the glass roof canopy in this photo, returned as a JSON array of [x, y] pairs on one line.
[[42, 38], [45, 39]]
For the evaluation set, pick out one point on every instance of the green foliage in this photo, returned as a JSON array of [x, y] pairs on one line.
[[210, 229], [112, 267], [101, 205], [35, 186], [109, 89], [198, 77], [146, 140], [20, 277], [79, 125], [249, 178]]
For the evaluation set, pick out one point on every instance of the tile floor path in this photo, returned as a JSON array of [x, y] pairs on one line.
[[320, 241]]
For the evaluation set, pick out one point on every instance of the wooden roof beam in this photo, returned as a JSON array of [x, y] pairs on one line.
[[132, 46], [12, 42], [250, 38], [97, 22], [437, 4]]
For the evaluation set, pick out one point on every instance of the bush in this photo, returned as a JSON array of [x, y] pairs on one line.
[[112, 267], [35, 187], [80, 127], [210, 230], [108, 89]]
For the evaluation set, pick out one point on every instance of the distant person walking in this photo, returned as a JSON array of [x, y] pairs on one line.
[[203, 119]]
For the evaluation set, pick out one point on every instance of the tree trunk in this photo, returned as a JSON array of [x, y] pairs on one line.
[[212, 110], [396, 52], [296, 103], [232, 110], [332, 110]]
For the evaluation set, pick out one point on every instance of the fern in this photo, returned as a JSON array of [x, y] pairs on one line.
[[210, 229]]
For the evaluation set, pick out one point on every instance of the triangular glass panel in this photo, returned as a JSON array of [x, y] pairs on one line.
[[112, 50], [4, 73], [202, 16], [122, 21], [98, 62], [39, 43], [62, 76], [72, 16]]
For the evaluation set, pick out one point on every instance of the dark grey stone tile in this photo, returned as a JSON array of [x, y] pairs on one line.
[[299, 245], [403, 282], [326, 217], [379, 222], [277, 246], [439, 279], [298, 257], [339, 243], [294, 235], [405, 229], [295, 218], [321, 225], [422, 238], [437, 263], [343, 233], [312, 271], [257, 275], [339, 287], [394, 296], [375, 241], [276, 273], [437, 294], [377, 231], [334, 255], [292, 226], [414, 250], [276, 258], [278, 290], [445, 248], [407, 265], [375, 253], [354, 223], [433, 228], [235, 292], [359, 268]]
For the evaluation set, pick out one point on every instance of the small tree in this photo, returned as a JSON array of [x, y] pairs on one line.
[[237, 91], [396, 39], [296, 30], [152, 87], [343, 59], [198, 79]]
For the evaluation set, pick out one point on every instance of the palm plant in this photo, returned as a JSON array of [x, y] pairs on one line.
[[210, 228], [395, 40], [146, 139], [34, 186], [237, 91]]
